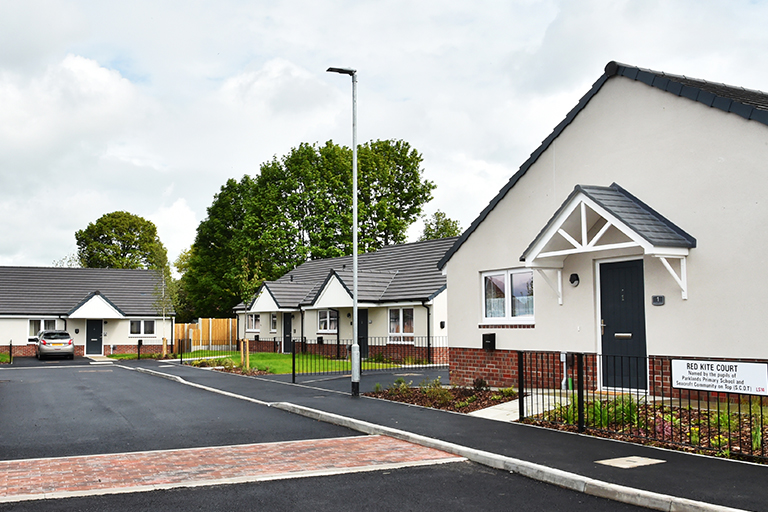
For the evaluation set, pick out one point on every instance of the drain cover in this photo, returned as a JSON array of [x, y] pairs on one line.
[[630, 462]]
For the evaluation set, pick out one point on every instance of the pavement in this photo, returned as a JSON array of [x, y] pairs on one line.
[[650, 477]]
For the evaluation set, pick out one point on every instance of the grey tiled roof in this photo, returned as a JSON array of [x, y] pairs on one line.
[[749, 104], [406, 272], [638, 216], [57, 291]]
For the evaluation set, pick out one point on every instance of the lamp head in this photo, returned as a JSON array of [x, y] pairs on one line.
[[343, 71]]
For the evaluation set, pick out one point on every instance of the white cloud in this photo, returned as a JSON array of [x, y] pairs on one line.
[[150, 107]]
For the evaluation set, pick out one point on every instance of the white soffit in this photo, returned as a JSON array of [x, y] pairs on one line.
[[96, 307]]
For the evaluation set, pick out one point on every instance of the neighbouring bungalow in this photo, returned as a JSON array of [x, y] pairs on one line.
[[401, 305], [636, 230], [105, 311]]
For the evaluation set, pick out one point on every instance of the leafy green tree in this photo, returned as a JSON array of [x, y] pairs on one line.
[[392, 192], [440, 226], [224, 262], [121, 240], [299, 207], [185, 313]]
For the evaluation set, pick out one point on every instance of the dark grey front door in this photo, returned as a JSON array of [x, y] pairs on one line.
[[622, 313], [93, 337], [287, 333], [362, 332]]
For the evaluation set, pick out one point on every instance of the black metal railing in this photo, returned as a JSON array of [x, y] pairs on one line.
[[636, 397], [321, 355]]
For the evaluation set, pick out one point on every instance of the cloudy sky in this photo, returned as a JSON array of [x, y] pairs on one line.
[[150, 106]]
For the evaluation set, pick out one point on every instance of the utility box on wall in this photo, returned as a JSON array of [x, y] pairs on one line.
[[489, 341]]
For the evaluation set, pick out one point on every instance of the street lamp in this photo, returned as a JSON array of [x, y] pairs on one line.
[[355, 344]]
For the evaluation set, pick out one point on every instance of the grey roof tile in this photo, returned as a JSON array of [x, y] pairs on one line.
[[57, 291], [393, 273]]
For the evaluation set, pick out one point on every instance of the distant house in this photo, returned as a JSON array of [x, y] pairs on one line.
[[636, 229], [401, 295], [105, 310]]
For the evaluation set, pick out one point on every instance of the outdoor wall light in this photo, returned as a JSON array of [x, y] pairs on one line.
[[349, 315], [574, 280]]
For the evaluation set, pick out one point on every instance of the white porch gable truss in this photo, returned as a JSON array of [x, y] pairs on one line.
[[597, 219]]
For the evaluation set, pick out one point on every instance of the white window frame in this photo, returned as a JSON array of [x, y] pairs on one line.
[[253, 322], [143, 328], [507, 318], [325, 316], [273, 322], [401, 336], [42, 326]]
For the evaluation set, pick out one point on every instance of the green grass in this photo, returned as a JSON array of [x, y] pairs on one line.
[[283, 363], [5, 358]]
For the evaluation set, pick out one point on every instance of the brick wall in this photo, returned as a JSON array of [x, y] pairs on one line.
[[545, 370]]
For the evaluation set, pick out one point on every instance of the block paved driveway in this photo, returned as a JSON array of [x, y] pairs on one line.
[[90, 437]]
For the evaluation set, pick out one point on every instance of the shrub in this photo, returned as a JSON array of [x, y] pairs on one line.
[[480, 384]]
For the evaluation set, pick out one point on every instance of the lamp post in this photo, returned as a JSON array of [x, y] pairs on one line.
[[355, 344]]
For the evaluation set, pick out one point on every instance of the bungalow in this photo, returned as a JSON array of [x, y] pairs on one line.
[[401, 303], [628, 233], [105, 310]]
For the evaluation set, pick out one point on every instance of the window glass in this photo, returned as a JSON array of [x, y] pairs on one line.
[[408, 320], [149, 327], [522, 293], [394, 321], [494, 296], [135, 326], [273, 326], [50, 325], [34, 327], [253, 322], [327, 320]]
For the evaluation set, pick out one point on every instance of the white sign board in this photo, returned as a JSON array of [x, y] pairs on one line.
[[720, 376]]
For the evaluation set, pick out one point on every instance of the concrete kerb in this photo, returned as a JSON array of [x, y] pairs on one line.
[[632, 496], [565, 479]]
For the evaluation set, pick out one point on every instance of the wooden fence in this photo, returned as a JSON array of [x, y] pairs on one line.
[[208, 332]]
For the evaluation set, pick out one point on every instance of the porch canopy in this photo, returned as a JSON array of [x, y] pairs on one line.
[[598, 219]]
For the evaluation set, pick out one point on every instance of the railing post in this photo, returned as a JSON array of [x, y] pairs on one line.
[[521, 382], [10, 352], [580, 388]]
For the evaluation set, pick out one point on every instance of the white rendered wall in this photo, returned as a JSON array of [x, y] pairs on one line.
[[703, 169]]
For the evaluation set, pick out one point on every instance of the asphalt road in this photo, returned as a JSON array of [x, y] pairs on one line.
[[74, 408], [461, 486], [71, 409]]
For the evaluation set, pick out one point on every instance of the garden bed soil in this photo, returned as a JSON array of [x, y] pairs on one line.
[[463, 400]]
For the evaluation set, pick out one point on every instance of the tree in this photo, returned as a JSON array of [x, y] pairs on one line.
[[181, 304], [440, 226], [121, 240], [71, 260], [224, 261], [299, 207]]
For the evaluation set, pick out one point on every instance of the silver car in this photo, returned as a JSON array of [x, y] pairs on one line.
[[54, 343]]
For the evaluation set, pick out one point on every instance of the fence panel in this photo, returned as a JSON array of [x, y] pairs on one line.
[[634, 397]]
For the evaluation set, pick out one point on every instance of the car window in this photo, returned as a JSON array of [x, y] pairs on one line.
[[56, 336]]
